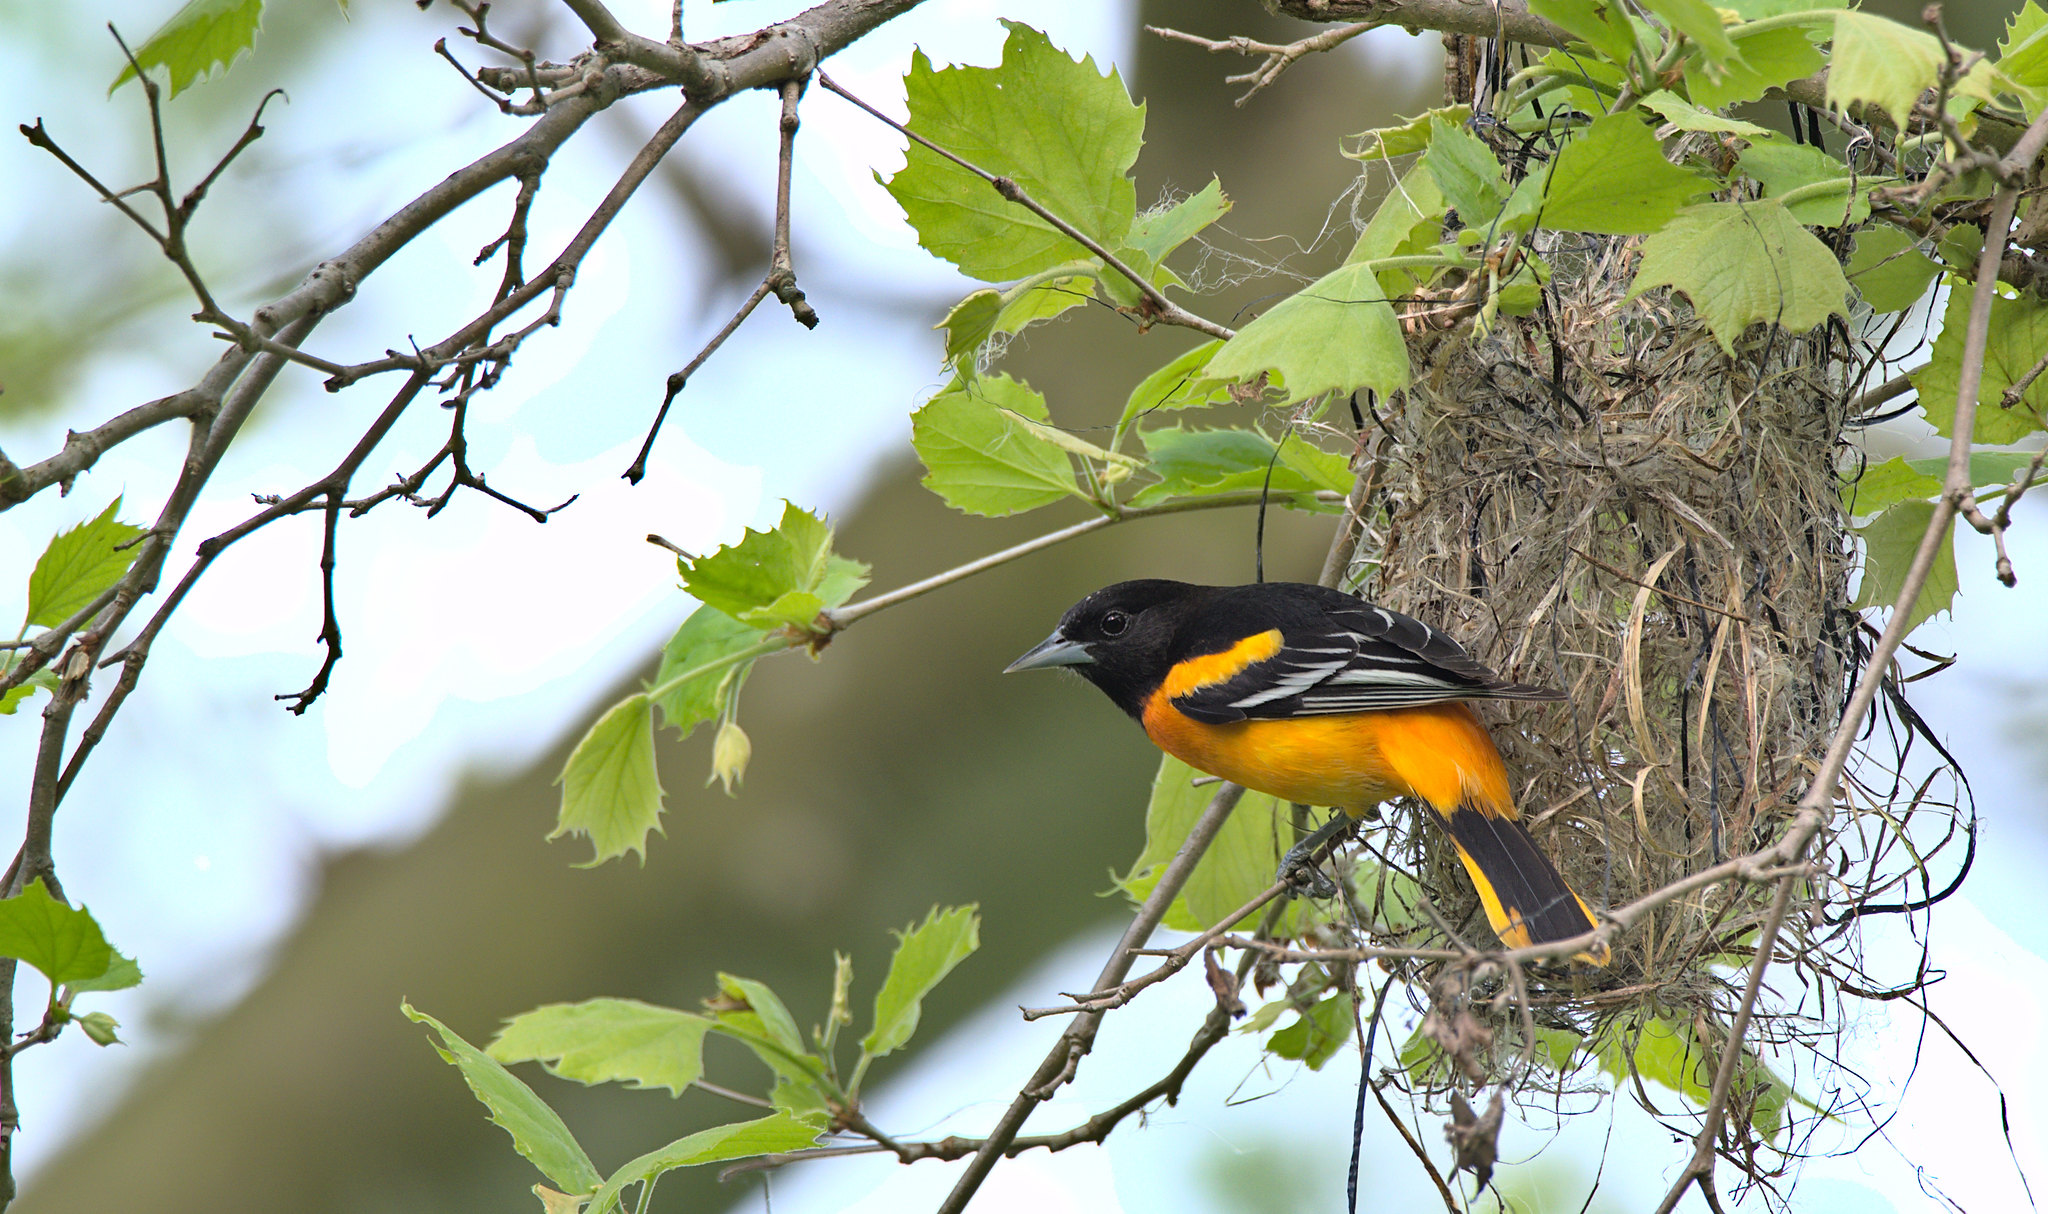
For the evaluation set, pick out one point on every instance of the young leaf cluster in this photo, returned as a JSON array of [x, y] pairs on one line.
[[642, 1046]]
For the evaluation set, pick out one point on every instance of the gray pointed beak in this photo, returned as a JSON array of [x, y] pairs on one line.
[[1055, 650]]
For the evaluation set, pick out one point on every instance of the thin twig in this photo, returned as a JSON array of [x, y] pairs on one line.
[[1278, 57]]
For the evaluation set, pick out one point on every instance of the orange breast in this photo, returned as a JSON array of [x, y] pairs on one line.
[[1439, 752]]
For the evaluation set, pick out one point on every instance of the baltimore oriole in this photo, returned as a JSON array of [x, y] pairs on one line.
[[1318, 697]]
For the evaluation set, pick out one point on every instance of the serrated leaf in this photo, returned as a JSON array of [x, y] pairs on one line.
[[925, 954], [1613, 178], [608, 1041], [1203, 463], [1239, 863], [78, 564], [1156, 234], [1889, 542], [753, 579], [1412, 136], [1316, 1034], [202, 36], [1686, 116], [766, 1136], [1770, 59], [1882, 62], [1180, 384], [611, 791], [1740, 263], [1065, 133], [1603, 28], [2017, 339], [707, 636], [64, 942], [537, 1132], [121, 973], [1888, 269], [1336, 335], [2023, 51], [978, 456], [1781, 166], [1467, 171]]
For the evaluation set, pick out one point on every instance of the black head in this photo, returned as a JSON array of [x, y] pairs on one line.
[[1118, 638]]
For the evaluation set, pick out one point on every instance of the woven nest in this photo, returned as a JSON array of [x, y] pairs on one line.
[[1599, 498]]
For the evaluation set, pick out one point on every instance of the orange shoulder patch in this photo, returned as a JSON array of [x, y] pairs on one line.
[[1213, 668]]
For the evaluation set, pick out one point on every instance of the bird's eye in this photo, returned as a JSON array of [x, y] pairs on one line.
[[1114, 623]]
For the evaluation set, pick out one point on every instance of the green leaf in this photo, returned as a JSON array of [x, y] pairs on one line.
[[62, 941], [1770, 58], [99, 1028], [1063, 132], [1889, 542], [1466, 170], [1668, 1054], [1203, 463], [78, 564], [1886, 484], [708, 635], [2018, 338], [775, 1021], [1316, 1034], [767, 1136], [1612, 178], [1686, 116], [1889, 270], [1240, 861], [202, 36], [1781, 166], [42, 680], [754, 581], [1603, 28], [1158, 233], [1025, 305], [978, 456], [1337, 334], [537, 1133], [1697, 20], [1421, 1057], [1387, 142], [1744, 262], [1987, 468], [1405, 222], [610, 789], [1884, 63], [970, 323], [608, 1041], [121, 973], [925, 954], [1555, 1048], [1177, 385]]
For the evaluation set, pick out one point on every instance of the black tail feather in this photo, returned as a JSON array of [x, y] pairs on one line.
[[1519, 877]]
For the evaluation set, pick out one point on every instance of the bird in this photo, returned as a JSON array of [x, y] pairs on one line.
[[1318, 697]]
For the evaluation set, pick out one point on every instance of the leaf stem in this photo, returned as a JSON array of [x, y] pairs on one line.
[[774, 644]]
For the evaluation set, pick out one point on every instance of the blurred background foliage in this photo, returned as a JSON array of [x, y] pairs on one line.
[[896, 773]]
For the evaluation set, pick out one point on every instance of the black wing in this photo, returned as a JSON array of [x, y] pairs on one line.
[[1339, 654]]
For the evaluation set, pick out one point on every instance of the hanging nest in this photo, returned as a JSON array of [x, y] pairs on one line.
[[1599, 498]]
